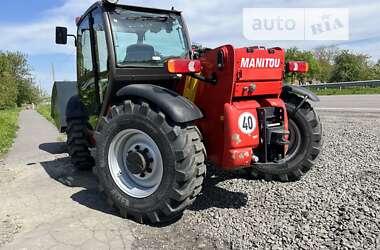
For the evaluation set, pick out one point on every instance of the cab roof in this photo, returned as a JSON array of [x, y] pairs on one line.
[[108, 6]]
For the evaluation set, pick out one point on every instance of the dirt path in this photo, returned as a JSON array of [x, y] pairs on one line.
[[45, 203]]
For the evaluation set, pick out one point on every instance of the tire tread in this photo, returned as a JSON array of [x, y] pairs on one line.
[[78, 144], [190, 168]]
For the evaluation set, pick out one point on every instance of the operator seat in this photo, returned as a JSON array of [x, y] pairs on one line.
[[139, 53]]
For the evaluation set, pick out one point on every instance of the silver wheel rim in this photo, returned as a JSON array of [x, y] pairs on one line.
[[135, 185]]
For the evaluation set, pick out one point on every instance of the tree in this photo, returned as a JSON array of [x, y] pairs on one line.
[[8, 87], [325, 57], [294, 54], [16, 82], [351, 67], [28, 92], [21, 70], [376, 71]]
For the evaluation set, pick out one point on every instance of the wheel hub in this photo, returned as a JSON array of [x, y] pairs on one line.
[[139, 162], [136, 163]]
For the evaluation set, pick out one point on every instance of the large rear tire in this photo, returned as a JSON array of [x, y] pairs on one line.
[[305, 143], [149, 167], [78, 143]]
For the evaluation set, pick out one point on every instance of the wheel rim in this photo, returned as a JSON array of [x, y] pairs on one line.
[[295, 138], [133, 141]]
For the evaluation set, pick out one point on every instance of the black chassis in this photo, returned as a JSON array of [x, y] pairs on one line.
[[121, 80]]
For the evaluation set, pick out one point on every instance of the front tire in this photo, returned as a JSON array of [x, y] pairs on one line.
[[150, 168], [305, 143]]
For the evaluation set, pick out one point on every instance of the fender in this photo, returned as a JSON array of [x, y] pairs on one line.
[[177, 107], [300, 91], [64, 95], [76, 109]]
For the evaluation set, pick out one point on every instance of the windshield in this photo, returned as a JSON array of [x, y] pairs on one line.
[[145, 39]]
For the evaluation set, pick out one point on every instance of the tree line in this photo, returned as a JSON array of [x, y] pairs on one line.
[[326, 64], [330, 64], [17, 86]]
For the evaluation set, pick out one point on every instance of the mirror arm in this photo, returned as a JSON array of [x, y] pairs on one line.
[[202, 78], [75, 39]]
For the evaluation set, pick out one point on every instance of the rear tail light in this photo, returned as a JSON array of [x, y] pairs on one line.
[[183, 66], [299, 67]]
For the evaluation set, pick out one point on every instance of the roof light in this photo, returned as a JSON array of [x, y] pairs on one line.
[[111, 1]]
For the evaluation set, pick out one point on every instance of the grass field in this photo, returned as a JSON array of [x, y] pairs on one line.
[[44, 110], [8, 128], [347, 91]]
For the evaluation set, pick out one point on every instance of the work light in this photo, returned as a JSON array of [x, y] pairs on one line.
[[111, 1]]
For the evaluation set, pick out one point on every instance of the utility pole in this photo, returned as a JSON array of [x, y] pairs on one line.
[[53, 72]]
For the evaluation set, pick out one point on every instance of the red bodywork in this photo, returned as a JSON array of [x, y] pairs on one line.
[[223, 103]]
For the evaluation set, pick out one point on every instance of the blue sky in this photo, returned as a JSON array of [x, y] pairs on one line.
[[30, 29]]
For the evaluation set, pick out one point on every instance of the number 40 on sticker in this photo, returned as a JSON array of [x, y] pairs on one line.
[[247, 123]]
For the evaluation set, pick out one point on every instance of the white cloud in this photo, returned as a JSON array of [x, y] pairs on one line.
[[39, 37], [212, 22]]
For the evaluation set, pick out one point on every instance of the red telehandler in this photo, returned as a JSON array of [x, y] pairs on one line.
[[147, 112]]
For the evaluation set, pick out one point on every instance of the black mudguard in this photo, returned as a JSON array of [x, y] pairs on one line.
[[177, 107], [76, 109], [300, 91], [65, 103]]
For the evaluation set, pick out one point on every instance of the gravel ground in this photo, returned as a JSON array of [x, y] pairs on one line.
[[335, 206], [9, 227], [5, 173]]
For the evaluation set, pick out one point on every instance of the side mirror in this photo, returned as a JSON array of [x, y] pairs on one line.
[[61, 35], [183, 66]]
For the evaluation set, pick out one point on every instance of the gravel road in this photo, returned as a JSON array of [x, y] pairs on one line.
[[336, 206]]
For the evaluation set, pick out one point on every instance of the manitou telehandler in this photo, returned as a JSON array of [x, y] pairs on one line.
[[147, 106]]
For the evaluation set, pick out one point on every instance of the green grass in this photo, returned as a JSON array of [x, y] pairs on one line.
[[347, 91], [44, 110], [8, 128]]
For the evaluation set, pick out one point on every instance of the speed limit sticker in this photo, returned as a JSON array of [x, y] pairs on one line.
[[247, 123]]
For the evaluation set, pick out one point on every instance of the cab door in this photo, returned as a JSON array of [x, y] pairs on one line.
[[92, 57]]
